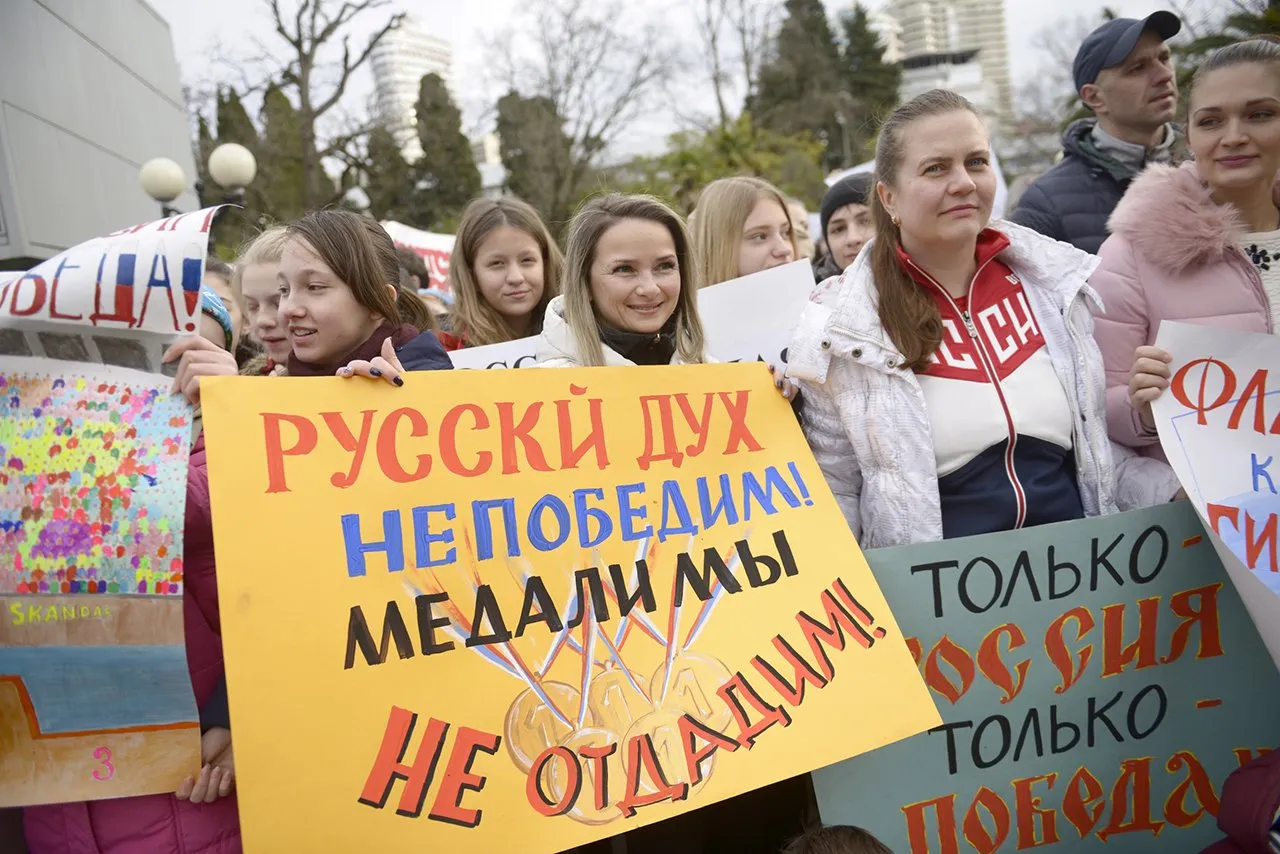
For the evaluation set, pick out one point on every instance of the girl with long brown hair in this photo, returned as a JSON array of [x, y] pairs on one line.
[[504, 270], [954, 386]]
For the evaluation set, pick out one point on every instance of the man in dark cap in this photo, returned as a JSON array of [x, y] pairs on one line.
[[1124, 74]]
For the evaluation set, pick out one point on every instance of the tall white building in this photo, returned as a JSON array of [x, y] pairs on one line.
[[400, 60], [950, 26], [889, 31], [958, 71]]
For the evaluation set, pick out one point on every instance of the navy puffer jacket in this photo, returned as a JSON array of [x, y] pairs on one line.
[[1073, 200]]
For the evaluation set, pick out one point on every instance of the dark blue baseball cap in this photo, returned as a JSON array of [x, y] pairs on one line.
[[1112, 42]]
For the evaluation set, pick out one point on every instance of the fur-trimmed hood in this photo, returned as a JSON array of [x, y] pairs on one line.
[[1170, 217]]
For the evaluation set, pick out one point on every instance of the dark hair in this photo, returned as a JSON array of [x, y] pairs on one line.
[[908, 314], [837, 839], [218, 267], [363, 256], [1259, 50], [413, 264]]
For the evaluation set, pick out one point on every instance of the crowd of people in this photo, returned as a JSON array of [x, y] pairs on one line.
[[927, 421]]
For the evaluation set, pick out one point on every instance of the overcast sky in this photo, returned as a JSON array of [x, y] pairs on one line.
[[198, 26]]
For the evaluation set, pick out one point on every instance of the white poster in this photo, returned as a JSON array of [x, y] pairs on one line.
[[115, 300], [435, 249], [746, 319], [1219, 424]]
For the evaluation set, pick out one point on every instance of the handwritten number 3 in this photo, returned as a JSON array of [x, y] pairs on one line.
[[107, 771]]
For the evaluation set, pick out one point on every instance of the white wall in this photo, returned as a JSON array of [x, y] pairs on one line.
[[89, 91]]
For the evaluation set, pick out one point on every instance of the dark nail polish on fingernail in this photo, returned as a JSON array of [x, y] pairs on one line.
[[778, 383], [375, 372], [398, 381]]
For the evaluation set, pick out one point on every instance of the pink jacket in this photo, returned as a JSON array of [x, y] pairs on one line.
[[1172, 255], [160, 824]]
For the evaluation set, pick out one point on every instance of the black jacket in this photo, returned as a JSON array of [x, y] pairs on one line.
[[1073, 201], [824, 268], [424, 353]]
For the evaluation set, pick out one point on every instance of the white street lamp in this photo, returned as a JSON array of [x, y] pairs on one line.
[[233, 167], [163, 180]]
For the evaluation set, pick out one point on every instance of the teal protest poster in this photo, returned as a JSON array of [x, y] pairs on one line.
[[1098, 680]]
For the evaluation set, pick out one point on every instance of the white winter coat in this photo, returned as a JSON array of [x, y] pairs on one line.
[[865, 414], [558, 349]]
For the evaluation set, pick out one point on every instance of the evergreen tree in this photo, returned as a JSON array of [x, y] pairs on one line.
[[694, 159], [204, 147], [446, 175], [233, 125], [280, 177], [871, 82], [800, 80], [538, 156], [389, 180], [233, 122]]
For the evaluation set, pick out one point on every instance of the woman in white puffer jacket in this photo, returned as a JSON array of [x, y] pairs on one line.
[[952, 383]]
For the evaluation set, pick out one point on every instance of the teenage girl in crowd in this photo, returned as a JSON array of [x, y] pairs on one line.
[[846, 224], [504, 270], [254, 285], [342, 303], [1199, 243], [953, 383], [740, 226]]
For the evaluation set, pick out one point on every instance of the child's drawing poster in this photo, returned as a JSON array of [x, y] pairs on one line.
[[95, 697]]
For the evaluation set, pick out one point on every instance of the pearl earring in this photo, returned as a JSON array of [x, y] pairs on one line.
[[897, 222]]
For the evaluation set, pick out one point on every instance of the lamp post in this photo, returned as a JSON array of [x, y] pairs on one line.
[[231, 166], [162, 180]]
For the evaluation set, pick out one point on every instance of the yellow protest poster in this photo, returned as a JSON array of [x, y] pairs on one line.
[[522, 610]]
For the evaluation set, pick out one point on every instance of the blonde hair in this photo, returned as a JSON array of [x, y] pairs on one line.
[[589, 224], [266, 248], [473, 319], [717, 222]]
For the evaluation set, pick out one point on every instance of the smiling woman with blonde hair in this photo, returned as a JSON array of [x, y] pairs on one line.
[[630, 292], [740, 226]]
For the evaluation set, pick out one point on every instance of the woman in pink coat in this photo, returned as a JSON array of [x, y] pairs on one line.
[[1198, 243], [200, 818]]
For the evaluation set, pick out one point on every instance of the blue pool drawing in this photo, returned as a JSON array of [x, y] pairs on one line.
[[90, 688]]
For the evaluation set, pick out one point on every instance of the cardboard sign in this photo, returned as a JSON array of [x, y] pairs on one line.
[[435, 249], [1219, 425], [1098, 681], [95, 696], [116, 300], [747, 319], [525, 610]]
